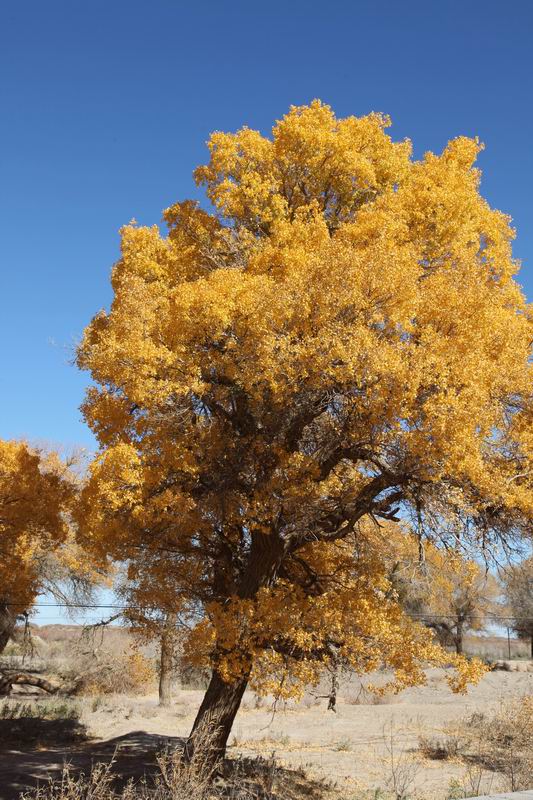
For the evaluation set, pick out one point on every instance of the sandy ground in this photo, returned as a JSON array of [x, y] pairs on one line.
[[350, 748]]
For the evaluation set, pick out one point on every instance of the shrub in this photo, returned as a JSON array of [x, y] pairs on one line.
[[501, 742], [438, 748], [257, 779], [504, 742], [125, 674], [50, 709]]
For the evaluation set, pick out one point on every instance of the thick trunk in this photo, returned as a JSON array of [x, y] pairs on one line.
[[213, 723], [7, 625], [166, 669]]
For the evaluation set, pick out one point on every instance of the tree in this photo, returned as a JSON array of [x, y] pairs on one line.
[[36, 491], [463, 597], [518, 590], [152, 613], [148, 625], [167, 663], [340, 341], [444, 589]]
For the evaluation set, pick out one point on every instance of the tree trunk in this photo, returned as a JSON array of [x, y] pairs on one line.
[[531, 641], [213, 723], [7, 625], [458, 638], [166, 667]]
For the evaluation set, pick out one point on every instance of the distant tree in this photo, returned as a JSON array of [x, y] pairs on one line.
[[167, 660], [462, 598], [36, 494], [339, 340], [152, 614], [154, 626], [518, 592], [447, 591]]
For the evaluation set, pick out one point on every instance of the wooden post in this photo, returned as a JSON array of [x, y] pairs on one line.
[[509, 643]]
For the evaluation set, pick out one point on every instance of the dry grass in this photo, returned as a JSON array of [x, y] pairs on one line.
[[499, 743], [256, 779], [48, 722]]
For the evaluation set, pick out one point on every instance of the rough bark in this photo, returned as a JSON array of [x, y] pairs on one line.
[[215, 717], [168, 640], [7, 625]]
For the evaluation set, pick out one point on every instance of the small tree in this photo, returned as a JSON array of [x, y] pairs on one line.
[[36, 492], [518, 590], [153, 625], [340, 341], [447, 591], [167, 661], [462, 598], [145, 587]]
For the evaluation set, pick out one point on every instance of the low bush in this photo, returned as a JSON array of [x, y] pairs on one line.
[[132, 673], [439, 748], [495, 743]]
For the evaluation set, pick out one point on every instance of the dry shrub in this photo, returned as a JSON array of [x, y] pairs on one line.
[[256, 779], [363, 696], [123, 674], [383, 698], [400, 767], [439, 748], [503, 742], [498, 743]]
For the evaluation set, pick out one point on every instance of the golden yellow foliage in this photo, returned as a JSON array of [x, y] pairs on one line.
[[340, 340], [127, 673], [35, 492], [444, 588]]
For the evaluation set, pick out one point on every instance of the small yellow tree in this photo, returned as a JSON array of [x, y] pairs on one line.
[[36, 492], [341, 339], [444, 589], [462, 597]]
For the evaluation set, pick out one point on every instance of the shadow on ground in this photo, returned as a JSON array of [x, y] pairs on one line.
[[35, 732], [135, 756]]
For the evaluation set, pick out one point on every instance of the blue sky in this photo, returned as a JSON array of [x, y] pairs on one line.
[[106, 107]]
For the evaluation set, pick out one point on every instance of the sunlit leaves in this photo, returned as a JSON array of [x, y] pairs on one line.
[[340, 337]]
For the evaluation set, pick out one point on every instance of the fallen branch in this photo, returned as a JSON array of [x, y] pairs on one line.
[[9, 679]]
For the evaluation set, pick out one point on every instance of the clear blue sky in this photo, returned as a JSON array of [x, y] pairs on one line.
[[106, 106]]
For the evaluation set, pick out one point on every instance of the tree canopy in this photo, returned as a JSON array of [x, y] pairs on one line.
[[338, 340], [36, 491]]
